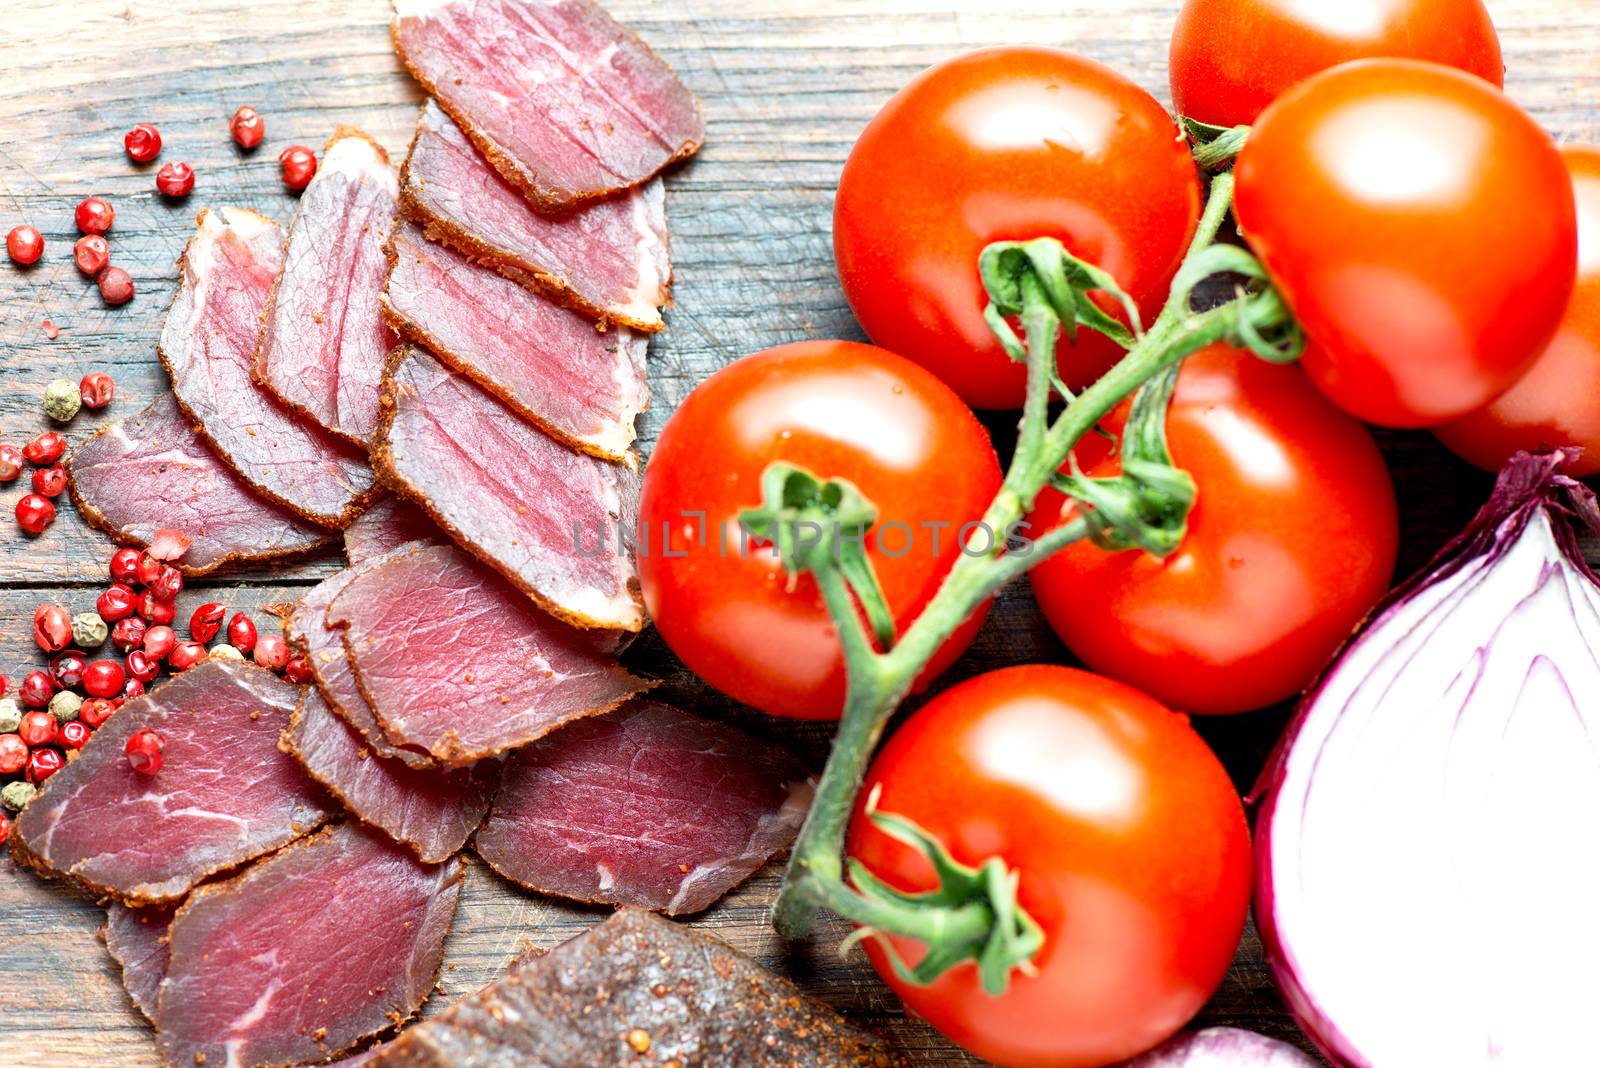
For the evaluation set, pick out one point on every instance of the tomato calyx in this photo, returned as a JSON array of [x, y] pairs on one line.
[[1215, 147], [1049, 288]]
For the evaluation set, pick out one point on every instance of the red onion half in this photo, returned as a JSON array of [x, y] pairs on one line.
[[1222, 1047], [1428, 855]]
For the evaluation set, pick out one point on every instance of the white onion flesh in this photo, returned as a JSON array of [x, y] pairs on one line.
[[1430, 850], [1223, 1047]]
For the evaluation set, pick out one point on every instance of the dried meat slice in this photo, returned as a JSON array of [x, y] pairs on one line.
[[305, 954], [323, 340], [647, 806], [388, 524], [137, 940], [567, 104], [549, 519], [225, 793], [208, 345], [454, 661], [432, 812], [607, 257], [152, 471], [696, 999], [547, 363]]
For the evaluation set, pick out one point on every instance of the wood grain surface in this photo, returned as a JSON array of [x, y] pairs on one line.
[[787, 86]]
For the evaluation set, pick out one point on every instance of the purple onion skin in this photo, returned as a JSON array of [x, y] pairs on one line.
[[1528, 481], [1218, 1046]]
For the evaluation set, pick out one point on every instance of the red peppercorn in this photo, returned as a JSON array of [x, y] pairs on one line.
[[97, 389], [116, 603], [37, 728], [130, 689], [129, 633], [299, 165], [75, 733], [52, 627], [242, 633], [142, 143], [159, 641], [185, 655], [168, 584], [34, 513], [36, 689], [142, 666], [116, 286], [91, 253], [206, 621], [125, 566], [94, 215], [25, 245], [175, 180], [5, 684], [155, 609], [148, 570], [10, 463], [144, 749], [50, 481], [67, 669], [272, 652], [5, 828], [45, 449], [247, 127], [103, 678], [95, 711], [13, 754], [297, 670], [43, 763]]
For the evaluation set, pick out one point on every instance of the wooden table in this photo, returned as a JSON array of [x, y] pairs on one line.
[[787, 86]]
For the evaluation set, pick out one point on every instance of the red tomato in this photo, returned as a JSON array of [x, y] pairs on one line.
[[840, 410], [1007, 144], [1558, 402], [1231, 58], [1131, 848], [1291, 541], [1421, 227]]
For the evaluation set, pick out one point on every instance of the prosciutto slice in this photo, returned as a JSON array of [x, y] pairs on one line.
[[549, 519], [647, 806], [323, 339], [224, 795], [305, 954], [549, 364], [387, 525], [567, 104], [454, 661], [152, 471], [137, 939], [607, 257], [697, 1000], [208, 346], [432, 812]]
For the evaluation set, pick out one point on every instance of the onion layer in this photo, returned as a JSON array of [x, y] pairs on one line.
[[1222, 1047]]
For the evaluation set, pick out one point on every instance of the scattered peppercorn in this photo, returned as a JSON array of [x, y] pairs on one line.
[[116, 603], [67, 669], [144, 749], [125, 566], [16, 795], [91, 253], [247, 127], [168, 584], [185, 655], [43, 763], [95, 711], [10, 715], [141, 666], [94, 215], [88, 630], [37, 728], [129, 633], [156, 609], [299, 165], [74, 734], [50, 481], [142, 143], [35, 513], [271, 651], [24, 245], [50, 329], [52, 627], [103, 678], [10, 463], [206, 621], [225, 652], [45, 449], [61, 400], [13, 754], [175, 180], [5, 829], [36, 689], [149, 569], [159, 641], [131, 689], [241, 633], [64, 706], [116, 286], [297, 670], [97, 389]]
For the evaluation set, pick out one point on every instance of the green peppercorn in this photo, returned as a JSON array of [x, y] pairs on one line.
[[10, 715], [17, 794], [64, 706], [62, 400], [88, 630]]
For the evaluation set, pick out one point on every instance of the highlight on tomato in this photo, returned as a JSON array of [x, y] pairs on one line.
[[1421, 227], [1291, 541], [1002, 144], [1130, 845], [725, 604], [1231, 58], [1557, 402]]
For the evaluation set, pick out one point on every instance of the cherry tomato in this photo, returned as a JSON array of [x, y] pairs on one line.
[[1420, 225], [1231, 58], [1129, 842], [1004, 144], [732, 612], [1558, 402], [1292, 540]]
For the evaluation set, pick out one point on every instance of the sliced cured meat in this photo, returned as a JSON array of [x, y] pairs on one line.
[[388, 524], [323, 339], [152, 471], [547, 363], [307, 953], [696, 999], [137, 939], [607, 257], [647, 806], [306, 628], [433, 812], [454, 661], [567, 104], [224, 795], [208, 345], [549, 519]]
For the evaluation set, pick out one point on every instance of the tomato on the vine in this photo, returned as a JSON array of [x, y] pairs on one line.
[[1558, 401], [1007, 144], [1231, 58], [1130, 845], [1420, 226], [1291, 541], [841, 410]]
